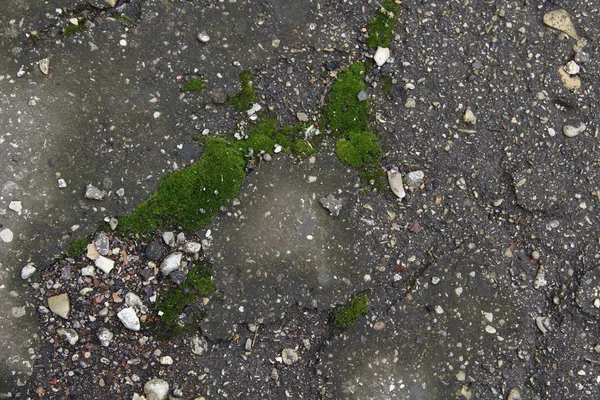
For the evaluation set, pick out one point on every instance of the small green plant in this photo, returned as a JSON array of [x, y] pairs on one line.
[[173, 301], [246, 96], [386, 86], [349, 314], [125, 20], [76, 248], [189, 198], [344, 112], [72, 29], [381, 27], [194, 85]]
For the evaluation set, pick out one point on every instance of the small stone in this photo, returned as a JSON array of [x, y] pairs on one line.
[[120, 192], [91, 252], [113, 223], [541, 322], [289, 356], [129, 319], [267, 157], [111, 3], [166, 360], [490, 329], [395, 182], [199, 345], [410, 103], [88, 271], [133, 300], [203, 37], [277, 148], [571, 68], [192, 247], [105, 336], [414, 178], [254, 109], [27, 271], [248, 345], [332, 204], [362, 95], [469, 117], [102, 243], [69, 334], [180, 238], [18, 312], [573, 129], [16, 206], [60, 305], [560, 19], [171, 263], [169, 238], [381, 56], [154, 251], [105, 264], [540, 279], [514, 394], [44, 64], [6, 235], [93, 193], [62, 183], [178, 277], [461, 376], [571, 82], [156, 389], [302, 117]]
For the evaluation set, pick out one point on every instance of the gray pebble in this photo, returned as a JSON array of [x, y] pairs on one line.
[[573, 129], [362, 95], [289, 356], [154, 251]]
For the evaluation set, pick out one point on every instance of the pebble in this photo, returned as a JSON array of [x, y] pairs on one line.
[[203, 37], [180, 238], [302, 117], [199, 345], [414, 178], [514, 394], [132, 300], [156, 389], [16, 206], [93, 193], [248, 345], [571, 68], [289, 356], [395, 182], [469, 117], [169, 238], [192, 247], [254, 109], [6, 235], [332, 204], [573, 129], [381, 56], [102, 243], [410, 103], [105, 264], [362, 95], [62, 183], [129, 319], [267, 157], [571, 82], [44, 64], [171, 263], [461, 376], [27, 271], [154, 251], [166, 360], [91, 252], [120, 192], [69, 334], [60, 305], [105, 336], [540, 279], [560, 19]]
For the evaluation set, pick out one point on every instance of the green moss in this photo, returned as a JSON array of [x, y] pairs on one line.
[[386, 86], [194, 85], [189, 198], [246, 96], [349, 314], [381, 27], [76, 248], [361, 150], [72, 29], [128, 22], [173, 301], [344, 112]]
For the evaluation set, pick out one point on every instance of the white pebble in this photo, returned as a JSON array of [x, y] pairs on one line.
[[6, 235]]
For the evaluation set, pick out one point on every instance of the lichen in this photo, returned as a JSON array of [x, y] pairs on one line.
[[349, 314]]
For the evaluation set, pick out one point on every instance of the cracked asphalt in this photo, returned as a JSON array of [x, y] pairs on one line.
[[483, 283]]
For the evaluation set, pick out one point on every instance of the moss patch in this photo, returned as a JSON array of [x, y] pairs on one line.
[[189, 198], [246, 97], [173, 302], [344, 112], [76, 248], [349, 314], [361, 150], [381, 27], [72, 29], [194, 85]]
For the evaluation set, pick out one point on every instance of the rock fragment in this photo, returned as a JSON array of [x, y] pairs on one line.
[[93, 193], [102, 243], [16, 206], [362, 95], [129, 319], [6, 235], [154, 251], [171, 263], [169, 238], [573, 129], [332, 204], [289, 356], [199, 345], [105, 264], [60, 305], [27, 271], [105, 336], [560, 20], [414, 178], [302, 117], [572, 68], [156, 389], [381, 56], [469, 117], [192, 247], [571, 82], [44, 64], [395, 182], [69, 334]]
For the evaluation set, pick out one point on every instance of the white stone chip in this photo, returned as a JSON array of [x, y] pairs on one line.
[[16, 206], [6, 235], [395, 182], [156, 389], [171, 263], [105, 264], [129, 319], [381, 56], [28, 270]]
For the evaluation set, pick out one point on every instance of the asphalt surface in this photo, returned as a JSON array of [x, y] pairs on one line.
[[482, 283]]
